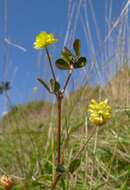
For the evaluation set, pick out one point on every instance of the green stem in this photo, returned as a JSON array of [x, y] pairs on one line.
[[50, 62], [95, 142]]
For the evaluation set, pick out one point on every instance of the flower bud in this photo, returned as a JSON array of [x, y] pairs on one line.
[[6, 182]]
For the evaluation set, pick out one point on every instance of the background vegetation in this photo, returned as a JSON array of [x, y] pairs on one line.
[[27, 132]]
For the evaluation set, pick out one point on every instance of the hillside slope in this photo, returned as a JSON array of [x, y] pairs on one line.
[[118, 89], [28, 141]]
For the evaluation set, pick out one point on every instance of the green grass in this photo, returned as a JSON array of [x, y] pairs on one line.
[[28, 147]]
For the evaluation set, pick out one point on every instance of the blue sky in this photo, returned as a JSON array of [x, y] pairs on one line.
[[26, 18]]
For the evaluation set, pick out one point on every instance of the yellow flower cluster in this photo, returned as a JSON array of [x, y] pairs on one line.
[[44, 39], [99, 113], [6, 182]]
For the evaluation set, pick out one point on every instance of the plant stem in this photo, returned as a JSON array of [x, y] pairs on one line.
[[84, 145], [50, 62], [95, 143], [67, 80], [59, 96], [53, 185], [59, 103]]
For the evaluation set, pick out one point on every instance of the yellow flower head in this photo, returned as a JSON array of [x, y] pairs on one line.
[[99, 112], [44, 39]]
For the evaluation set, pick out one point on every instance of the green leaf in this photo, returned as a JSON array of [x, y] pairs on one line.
[[63, 184], [55, 86], [74, 165], [76, 46], [80, 63], [62, 64], [68, 51], [60, 169], [44, 84], [66, 56]]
